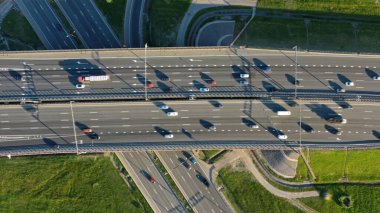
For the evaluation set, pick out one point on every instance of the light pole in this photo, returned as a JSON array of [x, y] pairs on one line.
[[300, 126], [75, 132], [296, 70], [146, 91]]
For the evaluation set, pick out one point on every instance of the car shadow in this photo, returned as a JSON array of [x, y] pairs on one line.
[[161, 75], [269, 87], [49, 142], [215, 103], [371, 73], [306, 127], [334, 85], [187, 133], [342, 78], [206, 78], [273, 106], [71, 65], [331, 129], [291, 79], [205, 124], [15, 75], [247, 122], [376, 134], [198, 84], [259, 63], [275, 132], [321, 110], [164, 87]]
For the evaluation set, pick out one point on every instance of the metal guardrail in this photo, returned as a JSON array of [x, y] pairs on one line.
[[162, 146]]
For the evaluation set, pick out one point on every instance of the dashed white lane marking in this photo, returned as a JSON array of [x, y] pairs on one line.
[[3, 114], [4, 121], [94, 119], [93, 112], [64, 113]]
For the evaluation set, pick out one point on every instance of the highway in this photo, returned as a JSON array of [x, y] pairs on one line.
[[140, 122], [89, 24], [316, 73], [133, 23], [158, 192], [200, 197], [46, 24]]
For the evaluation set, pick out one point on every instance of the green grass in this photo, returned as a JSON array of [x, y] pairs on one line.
[[65, 184], [328, 166], [165, 17], [369, 35], [247, 195], [114, 13], [15, 25], [209, 153], [349, 7], [274, 33], [365, 199]]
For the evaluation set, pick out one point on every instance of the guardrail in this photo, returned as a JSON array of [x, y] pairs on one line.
[[186, 145]]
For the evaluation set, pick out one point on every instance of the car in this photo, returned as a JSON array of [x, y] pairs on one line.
[[349, 83], [243, 82], [340, 90], [272, 89], [282, 137], [203, 180], [172, 114], [376, 78], [192, 160], [168, 89], [212, 82], [184, 163], [94, 136], [266, 69], [244, 75], [204, 89], [346, 106], [211, 127], [308, 129], [164, 107], [168, 135], [87, 130], [23, 78], [80, 86], [253, 126], [165, 78], [147, 176], [149, 85], [336, 119], [58, 26], [336, 131]]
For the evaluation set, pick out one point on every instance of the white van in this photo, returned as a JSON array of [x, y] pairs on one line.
[[244, 75], [282, 137], [284, 113]]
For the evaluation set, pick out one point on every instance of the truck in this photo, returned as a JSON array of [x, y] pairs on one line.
[[284, 113], [93, 78]]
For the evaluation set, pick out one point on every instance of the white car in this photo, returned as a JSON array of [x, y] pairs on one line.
[[169, 135], [340, 90], [254, 126], [212, 127], [80, 86], [164, 107], [349, 83], [244, 75], [376, 78], [204, 89], [282, 137], [244, 82], [172, 114]]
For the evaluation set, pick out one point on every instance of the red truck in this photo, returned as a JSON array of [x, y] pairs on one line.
[[93, 78]]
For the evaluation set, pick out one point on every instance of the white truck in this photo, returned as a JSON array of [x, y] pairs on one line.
[[93, 78], [284, 113]]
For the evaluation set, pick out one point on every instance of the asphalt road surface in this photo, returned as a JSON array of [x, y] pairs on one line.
[[315, 73], [146, 122], [46, 24], [202, 198], [151, 183], [89, 24]]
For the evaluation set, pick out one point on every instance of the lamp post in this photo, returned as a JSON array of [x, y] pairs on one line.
[[75, 132], [300, 125], [296, 70], [146, 91]]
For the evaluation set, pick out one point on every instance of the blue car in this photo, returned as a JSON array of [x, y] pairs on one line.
[[192, 159], [266, 69]]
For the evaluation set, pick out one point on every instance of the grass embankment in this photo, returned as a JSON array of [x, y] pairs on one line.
[[16, 26], [66, 184], [209, 153], [165, 16], [114, 13], [365, 199], [247, 195], [356, 29], [329, 166]]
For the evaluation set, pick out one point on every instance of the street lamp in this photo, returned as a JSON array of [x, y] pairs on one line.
[[146, 91], [300, 126], [71, 34], [296, 69], [75, 132]]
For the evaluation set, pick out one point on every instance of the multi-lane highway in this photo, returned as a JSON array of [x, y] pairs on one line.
[[89, 24], [150, 182], [46, 24], [202, 197], [145, 122], [181, 74]]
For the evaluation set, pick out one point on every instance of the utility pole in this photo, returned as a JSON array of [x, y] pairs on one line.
[[300, 120], [75, 132], [296, 70], [146, 91]]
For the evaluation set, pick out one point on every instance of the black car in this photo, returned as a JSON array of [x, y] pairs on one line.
[[203, 180], [93, 136], [272, 89], [184, 163]]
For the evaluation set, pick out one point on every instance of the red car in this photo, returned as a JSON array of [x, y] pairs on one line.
[[213, 82], [151, 179], [149, 85]]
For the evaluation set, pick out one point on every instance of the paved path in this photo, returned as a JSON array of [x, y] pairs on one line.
[[198, 5]]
